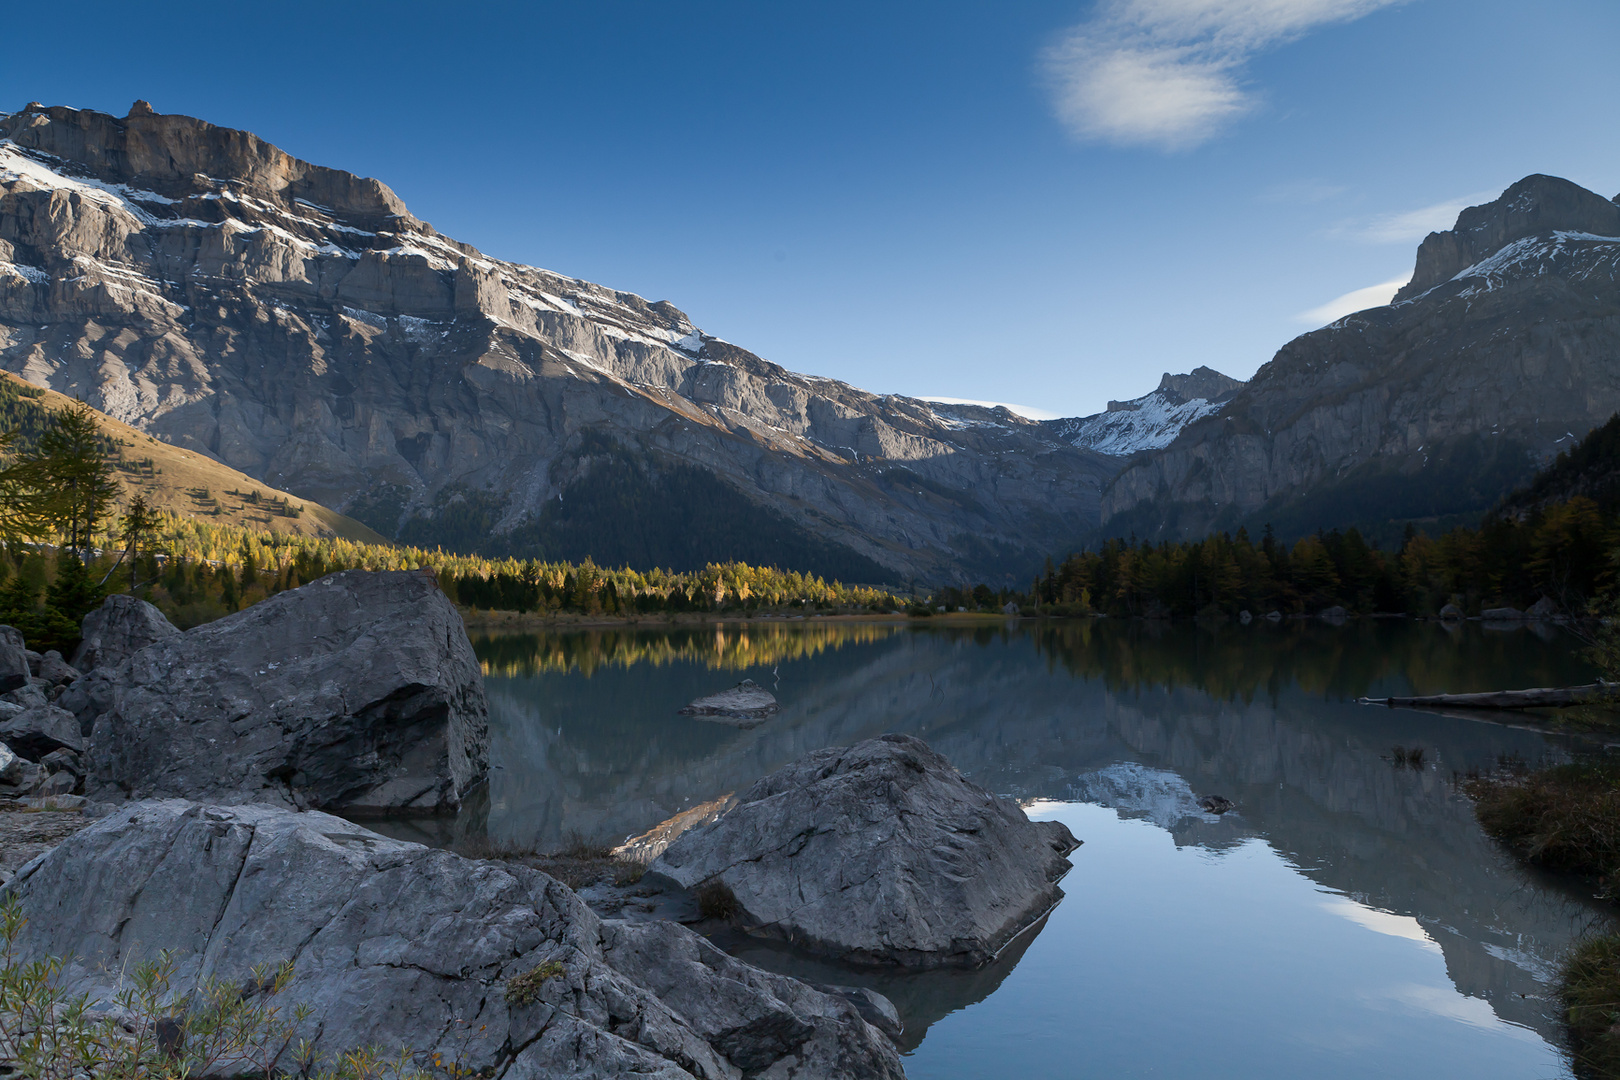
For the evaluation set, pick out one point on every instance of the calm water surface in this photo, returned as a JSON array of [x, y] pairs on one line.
[[1347, 920]]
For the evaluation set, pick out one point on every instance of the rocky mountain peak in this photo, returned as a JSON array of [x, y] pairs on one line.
[[1200, 382], [172, 155], [1534, 206]]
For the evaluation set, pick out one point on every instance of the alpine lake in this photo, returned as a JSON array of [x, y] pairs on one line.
[[1348, 918]]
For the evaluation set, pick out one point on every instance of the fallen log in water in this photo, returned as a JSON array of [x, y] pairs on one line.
[[1548, 697]]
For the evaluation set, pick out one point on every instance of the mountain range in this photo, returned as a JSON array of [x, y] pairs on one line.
[[298, 324]]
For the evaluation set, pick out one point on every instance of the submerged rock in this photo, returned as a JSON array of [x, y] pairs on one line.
[[746, 701], [431, 944], [878, 853], [359, 691]]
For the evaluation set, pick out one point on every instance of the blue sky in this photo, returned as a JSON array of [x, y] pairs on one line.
[[1043, 203]]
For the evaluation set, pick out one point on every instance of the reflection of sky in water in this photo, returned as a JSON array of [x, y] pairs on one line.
[[1349, 919], [1166, 962]]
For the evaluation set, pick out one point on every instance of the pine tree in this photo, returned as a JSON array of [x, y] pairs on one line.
[[70, 455]]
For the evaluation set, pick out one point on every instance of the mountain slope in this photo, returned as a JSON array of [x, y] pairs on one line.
[[297, 323], [1153, 420], [1504, 349], [182, 482]]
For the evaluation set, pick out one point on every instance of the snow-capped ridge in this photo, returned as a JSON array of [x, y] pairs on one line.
[[1153, 420]]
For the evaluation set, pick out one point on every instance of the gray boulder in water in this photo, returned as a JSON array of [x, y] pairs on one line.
[[358, 692], [121, 627], [878, 853], [746, 701], [400, 945]]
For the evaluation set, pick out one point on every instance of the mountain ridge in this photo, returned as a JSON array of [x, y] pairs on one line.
[[298, 324], [1152, 421], [1431, 407]]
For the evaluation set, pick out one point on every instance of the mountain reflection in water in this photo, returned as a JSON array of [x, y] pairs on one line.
[[586, 744]]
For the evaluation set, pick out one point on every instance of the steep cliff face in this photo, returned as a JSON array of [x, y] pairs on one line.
[[1504, 349], [297, 323], [1151, 421]]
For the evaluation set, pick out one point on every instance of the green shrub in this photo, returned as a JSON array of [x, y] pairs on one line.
[[48, 1034]]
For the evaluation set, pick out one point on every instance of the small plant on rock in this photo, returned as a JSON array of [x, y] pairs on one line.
[[525, 989]]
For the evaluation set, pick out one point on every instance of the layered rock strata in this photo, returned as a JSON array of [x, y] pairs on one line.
[[878, 853]]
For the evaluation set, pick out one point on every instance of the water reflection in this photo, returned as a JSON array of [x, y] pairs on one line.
[[586, 744]]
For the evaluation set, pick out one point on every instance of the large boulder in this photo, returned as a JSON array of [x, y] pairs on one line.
[[38, 731], [399, 945], [121, 627], [14, 670], [358, 692], [878, 853]]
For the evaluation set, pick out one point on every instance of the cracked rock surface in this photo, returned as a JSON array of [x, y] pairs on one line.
[[878, 853], [358, 692], [397, 944]]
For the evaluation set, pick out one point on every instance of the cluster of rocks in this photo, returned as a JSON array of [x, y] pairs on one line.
[[211, 754], [41, 746], [435, 946], [1543, 610]]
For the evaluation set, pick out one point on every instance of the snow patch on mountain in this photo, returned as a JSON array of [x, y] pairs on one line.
[[1151, 421]]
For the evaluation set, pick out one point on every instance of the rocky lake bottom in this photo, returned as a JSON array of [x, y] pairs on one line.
[[1346, 918]]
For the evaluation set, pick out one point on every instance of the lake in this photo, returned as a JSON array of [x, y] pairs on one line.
[[1347, 919]]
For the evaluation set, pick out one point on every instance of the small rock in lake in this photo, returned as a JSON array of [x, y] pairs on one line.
[[746, 701], [1215, 804]]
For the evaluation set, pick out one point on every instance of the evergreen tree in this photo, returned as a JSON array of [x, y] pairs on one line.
[[83, 484]]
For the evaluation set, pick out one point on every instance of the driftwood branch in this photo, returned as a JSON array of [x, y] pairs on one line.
[[1549, 697]]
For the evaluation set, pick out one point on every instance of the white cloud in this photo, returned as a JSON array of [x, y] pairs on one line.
[[1168, 73], [1410, 226], [1355, 300], [1027, 411]]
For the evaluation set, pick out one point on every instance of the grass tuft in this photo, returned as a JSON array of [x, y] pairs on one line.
[[1408, 757], [1590, 992], [715, 900], [525, 989], [1564, 817]]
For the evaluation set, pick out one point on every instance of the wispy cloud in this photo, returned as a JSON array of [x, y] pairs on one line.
[[1410, 226], [1169, 73], [1355, 300], [1029, 412]]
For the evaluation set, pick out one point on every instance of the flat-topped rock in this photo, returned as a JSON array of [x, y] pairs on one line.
[[878, 853], [358, 692], [403, 946], [746, 701]]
